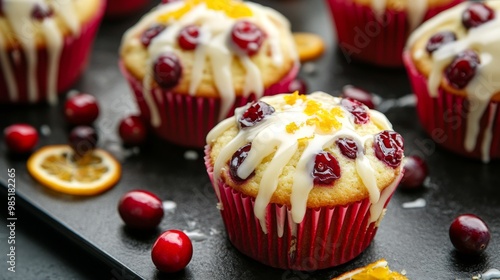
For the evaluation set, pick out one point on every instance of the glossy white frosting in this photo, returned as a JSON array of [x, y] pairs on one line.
[[485, 40], [215, 28], [416, 10], [18, 15], [272, 136]]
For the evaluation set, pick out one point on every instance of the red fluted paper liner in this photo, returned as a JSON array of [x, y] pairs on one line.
[[362, 36], [186, 120], [120, 8], [444, 117], [73, 61], [326, 237]]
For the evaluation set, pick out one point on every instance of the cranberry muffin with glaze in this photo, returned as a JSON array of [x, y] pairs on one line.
[[44, 46], [303, 181], [375, 31], [452, 61], [190, 63]]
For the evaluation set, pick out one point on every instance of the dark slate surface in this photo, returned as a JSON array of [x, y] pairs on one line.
[[66, 237]]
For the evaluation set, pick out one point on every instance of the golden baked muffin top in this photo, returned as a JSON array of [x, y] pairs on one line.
[[27, 21], [225, 48], [307, 151], [454, 37]]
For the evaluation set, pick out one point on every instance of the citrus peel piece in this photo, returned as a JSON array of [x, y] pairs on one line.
[[55, 168], [309, 46], [378, 270]]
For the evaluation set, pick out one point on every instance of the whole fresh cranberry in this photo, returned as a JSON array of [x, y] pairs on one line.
[[81, 109], [150, 33], [348, 147], [132, 130], [469, 234], [20, 138], [172, 251], [40, 13], [357, 109], [326, 169], [358, 94], [167, 70], [415, 172], [189, 37], [298, 85], [83, 140], [247, 37], [439, 39], [389, 146], [236, 160], [477, 14], [255, 114], [140, 209], [463, 69]]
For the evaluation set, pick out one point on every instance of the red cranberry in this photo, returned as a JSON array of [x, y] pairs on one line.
[[132, 130], [83, 139], [40, 13], [358, 94], [140, 209], [357, 109], [389, 147], [255, 113], [477, 14], [167, 70], [298, 85], [439, 39], [247, 37], [461, 71], [469, 234], [20, 138], [189, 37], [151, 33], [81, 109], [172, 251], [238, 158], [326, 169], [348, 147], [416, 172]]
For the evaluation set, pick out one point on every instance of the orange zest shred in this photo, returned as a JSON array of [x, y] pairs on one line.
[[291, 99], [232, 8], [323, 119], [292, 127]]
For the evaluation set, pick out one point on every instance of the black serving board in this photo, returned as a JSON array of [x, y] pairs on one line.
[[412, 239]]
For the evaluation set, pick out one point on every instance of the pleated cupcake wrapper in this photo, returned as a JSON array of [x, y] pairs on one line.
[[327, 236], [185, 119], [364, 37], [73, 61], [444, 118], [119, 8]]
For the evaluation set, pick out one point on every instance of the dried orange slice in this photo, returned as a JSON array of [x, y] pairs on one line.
[[378, 270], [56, 168], [309, 46]]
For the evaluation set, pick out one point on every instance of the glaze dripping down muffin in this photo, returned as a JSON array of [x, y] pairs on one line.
[[304, 155], [222, 53]]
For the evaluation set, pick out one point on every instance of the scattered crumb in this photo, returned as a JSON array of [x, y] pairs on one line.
[[196, 235], [403, 272], [191, 155], [169, 206], [309, 68], [45, 130], [419, 203]]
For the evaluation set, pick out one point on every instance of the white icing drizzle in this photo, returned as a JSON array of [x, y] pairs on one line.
[[416, 10], [485, 41], [270, 136], [24, 26], [215, 29]]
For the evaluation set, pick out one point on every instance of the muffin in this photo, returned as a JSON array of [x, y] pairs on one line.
[[375, 31], [191, 62], [120, 8], [303, 181], [44, 46], [452, 61]]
